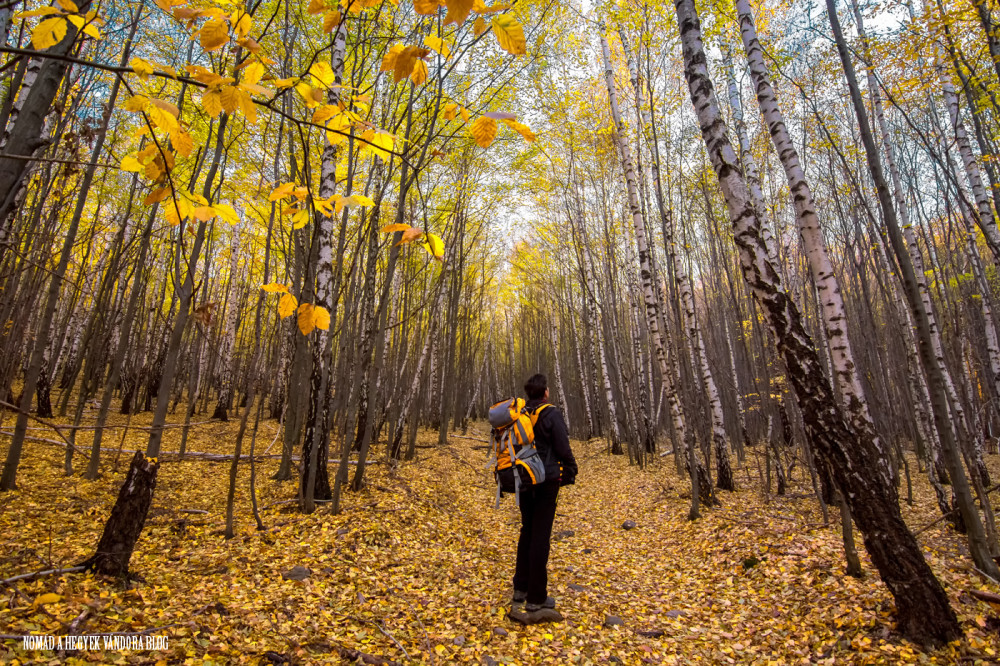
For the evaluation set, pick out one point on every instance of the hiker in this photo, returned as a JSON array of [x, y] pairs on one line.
[[538, 502]]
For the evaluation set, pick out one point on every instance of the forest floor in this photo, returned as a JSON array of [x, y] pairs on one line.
[[417, 567]]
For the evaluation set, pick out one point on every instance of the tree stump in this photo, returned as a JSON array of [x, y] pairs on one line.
[[128, 516]]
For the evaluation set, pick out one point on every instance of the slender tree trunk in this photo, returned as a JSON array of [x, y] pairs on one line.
[[923, 610]]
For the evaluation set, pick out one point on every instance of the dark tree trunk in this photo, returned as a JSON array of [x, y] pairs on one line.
[[128, 516], [43, 394]]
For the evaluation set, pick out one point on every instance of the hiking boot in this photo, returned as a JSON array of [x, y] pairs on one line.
[[549, 602], [517, 601]]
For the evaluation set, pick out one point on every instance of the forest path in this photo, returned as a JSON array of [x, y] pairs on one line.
[[417, 568]]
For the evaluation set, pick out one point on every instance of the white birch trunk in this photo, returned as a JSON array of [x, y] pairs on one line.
[[987, 223], [641, 237], [578, 344], [554, 334], [922, 605], [750, 170], [225, 369], [830, 300]]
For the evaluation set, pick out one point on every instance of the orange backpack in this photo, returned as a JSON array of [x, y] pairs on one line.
[[516, 461]]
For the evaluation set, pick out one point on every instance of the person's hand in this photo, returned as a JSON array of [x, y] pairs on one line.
[[566, 480]]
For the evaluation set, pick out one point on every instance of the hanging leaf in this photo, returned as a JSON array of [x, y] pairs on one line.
[[410, 234], [419, 73], [141, 67], [307, 318], [397, 226], [49, 32], [389, 59], [130, 163], [322, 74], [435, 246], [274, 288], [435, 43], [330, 21], [211, 102], [287, 305], [226, 213], [379, 143], [479, 26], [510, 34], [521, 129], [425, 7], [156, 196], [321, 317], [214, 34], [484, 131], [458, 11]]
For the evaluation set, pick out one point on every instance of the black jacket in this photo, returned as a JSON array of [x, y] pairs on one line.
[[552, 442]]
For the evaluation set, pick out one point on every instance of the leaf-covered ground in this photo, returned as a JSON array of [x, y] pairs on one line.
[[417, 568]]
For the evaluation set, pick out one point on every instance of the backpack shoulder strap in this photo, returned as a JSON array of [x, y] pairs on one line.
[[535, 413]]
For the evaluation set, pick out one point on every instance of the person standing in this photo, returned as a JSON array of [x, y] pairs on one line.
[[538, 503]]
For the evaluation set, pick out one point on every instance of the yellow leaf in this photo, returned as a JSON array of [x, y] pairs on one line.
[[521, 129], [214, 34], [41, 11], [204, 213], [379, 143], [322, 74], [243, 26], [437, 44], [176, 211], [156, 196], [306, 91], [321, 317], [141, 67], [389, 59], [274, 287], [253, 73], [182, 142], [92, 30], [464, 112], [316, 7], [130, 163], [165, 106], [354, 200], [306, 320], [229, 98], [450, 111], [425, 7], [330, 21], [49, 598], [398, 226], [246, 105], [484, 131], [510, 34], [287, 305], [410, 234], [211, 102], [69, 6], [162, 119], [406, 61], [300, 219], [226, 213], [458, 11], [281, 191], [48, 32], [419, 73], [435, 246]]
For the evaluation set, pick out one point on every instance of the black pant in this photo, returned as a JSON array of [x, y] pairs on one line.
[[538, 511]]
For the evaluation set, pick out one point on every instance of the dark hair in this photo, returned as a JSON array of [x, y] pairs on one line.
[[536, 386]]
